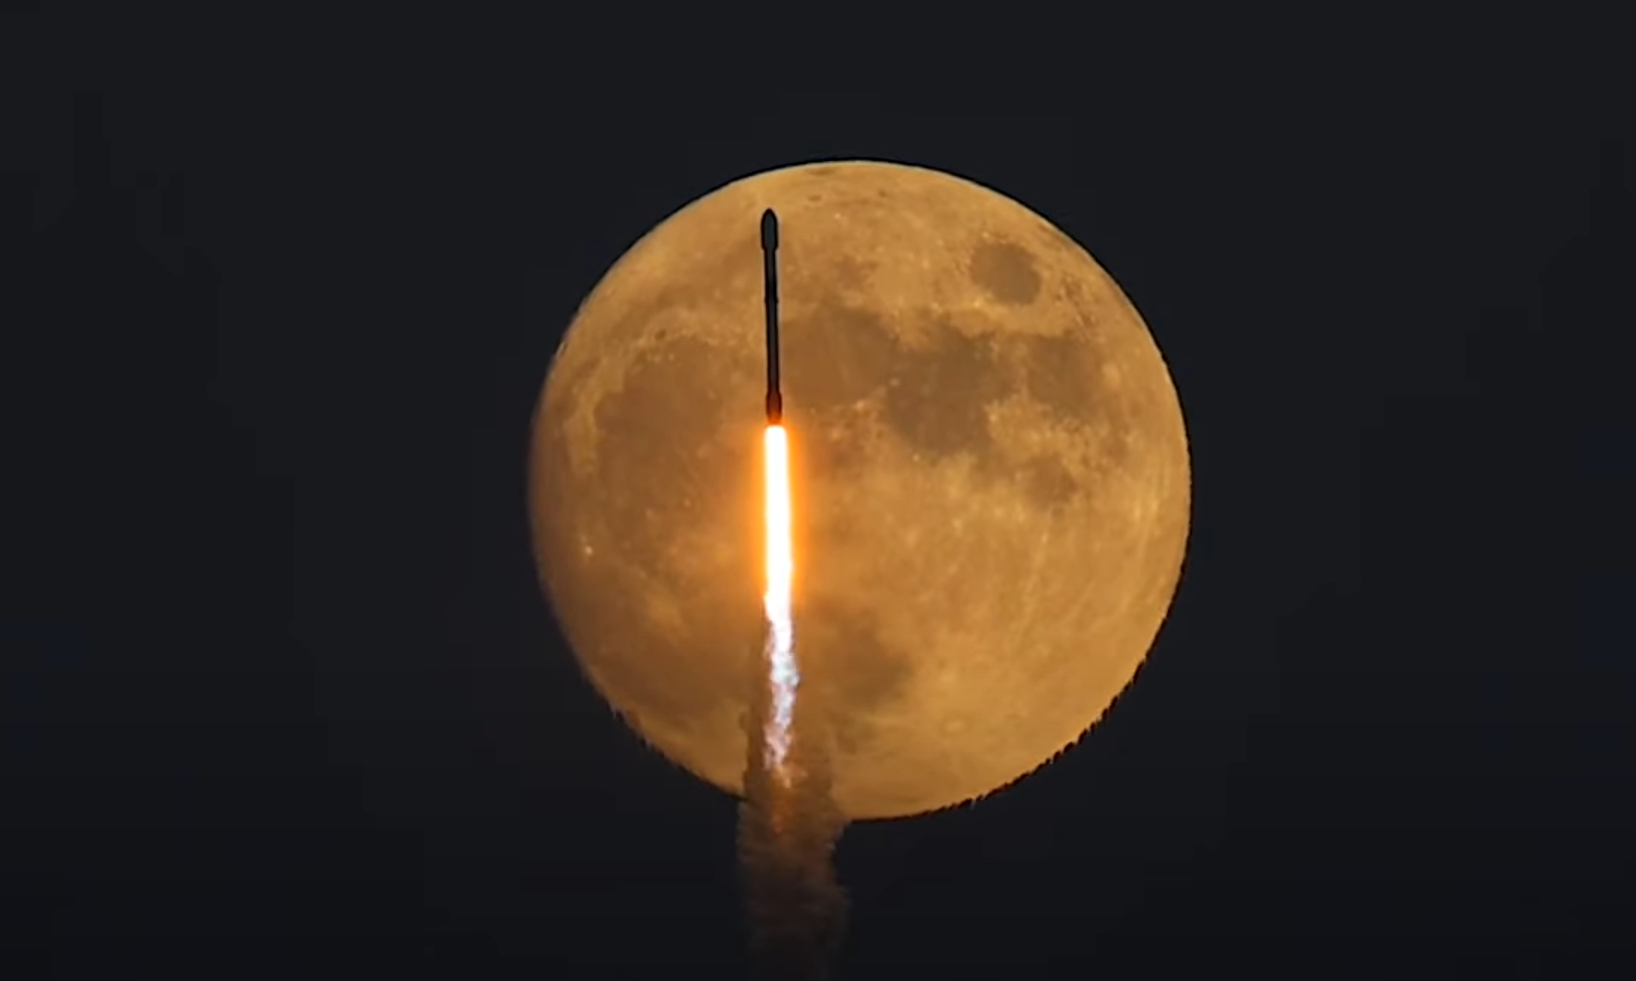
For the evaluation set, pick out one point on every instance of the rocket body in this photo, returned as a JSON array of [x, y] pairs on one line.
[[769, 271]]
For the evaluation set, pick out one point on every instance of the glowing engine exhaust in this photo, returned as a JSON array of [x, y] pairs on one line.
[[783, 674]]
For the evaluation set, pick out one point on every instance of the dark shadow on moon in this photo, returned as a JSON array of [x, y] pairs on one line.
[[851, 274], [834, 358], [1057, 373], [932, 397], [593, 601], [1047, 483], [937, 398], [1005, 271], [849, 674], [659, 488], [651, 432], [839, 447]]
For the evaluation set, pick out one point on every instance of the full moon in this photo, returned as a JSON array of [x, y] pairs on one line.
[[990, 480]]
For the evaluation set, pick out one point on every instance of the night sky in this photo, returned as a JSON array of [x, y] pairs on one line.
[[282, 698]]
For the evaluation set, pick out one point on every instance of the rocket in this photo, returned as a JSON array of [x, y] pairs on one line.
[[769, 277]]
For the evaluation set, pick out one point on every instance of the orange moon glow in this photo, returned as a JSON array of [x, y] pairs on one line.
[[989, 471]]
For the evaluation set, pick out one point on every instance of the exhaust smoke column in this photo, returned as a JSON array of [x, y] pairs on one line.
[[788, 824]]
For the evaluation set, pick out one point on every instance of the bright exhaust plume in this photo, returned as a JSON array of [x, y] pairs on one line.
[[783, 674]]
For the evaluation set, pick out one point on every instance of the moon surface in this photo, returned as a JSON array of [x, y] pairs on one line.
[[990, 479]]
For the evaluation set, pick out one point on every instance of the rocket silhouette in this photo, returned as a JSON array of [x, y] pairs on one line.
[[769, 269]]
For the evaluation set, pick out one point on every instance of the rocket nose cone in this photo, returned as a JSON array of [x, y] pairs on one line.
[[769, 230]]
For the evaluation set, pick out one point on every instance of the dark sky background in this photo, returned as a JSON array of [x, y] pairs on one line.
[[282, 698]]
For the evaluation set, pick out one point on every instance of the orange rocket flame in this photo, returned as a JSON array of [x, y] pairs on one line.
[[783, 674]]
